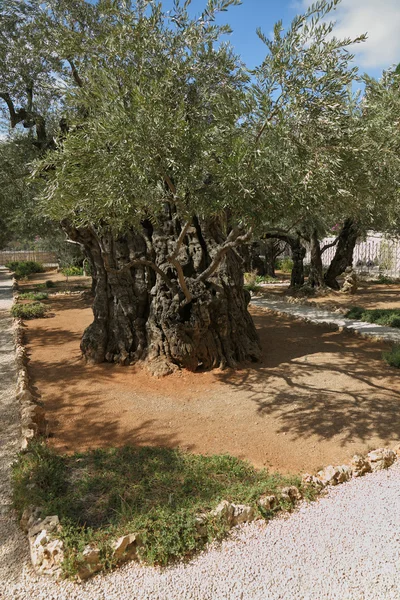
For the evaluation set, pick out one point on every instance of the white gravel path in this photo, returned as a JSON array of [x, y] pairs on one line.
[[320, 316], [345, 546], [13, 545]]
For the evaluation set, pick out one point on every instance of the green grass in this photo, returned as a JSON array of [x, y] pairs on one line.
[[34, 310], [72, 271], [384, 280], [389, 317], [392, 357], [157, 492], [33, 296]]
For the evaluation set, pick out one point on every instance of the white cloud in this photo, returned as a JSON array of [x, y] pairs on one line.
[[379, 19]]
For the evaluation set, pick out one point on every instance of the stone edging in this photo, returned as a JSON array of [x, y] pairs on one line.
[[47, 551], [33, 422]]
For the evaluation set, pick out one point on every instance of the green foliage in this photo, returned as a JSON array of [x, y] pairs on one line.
[[265, 279], [157, 492], [33, 296], [72, 271], [34, 310], [285, 265], [385, 280], [23, 268], [250, 282], [49, 284], [392, 357], [389, 317]]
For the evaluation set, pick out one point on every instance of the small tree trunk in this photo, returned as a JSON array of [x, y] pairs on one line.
[[298, 254], [271, 252], [316, 277], [139, 316], [344, 253]]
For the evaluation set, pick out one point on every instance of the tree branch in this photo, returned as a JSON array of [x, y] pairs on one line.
[[141, 262], [75, 73], [233, 240], [175, 262], [15, 116], [335, 241]]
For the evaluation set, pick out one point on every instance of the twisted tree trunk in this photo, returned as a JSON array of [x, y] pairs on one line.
[[154, 301], [316, 277], [343, 258]]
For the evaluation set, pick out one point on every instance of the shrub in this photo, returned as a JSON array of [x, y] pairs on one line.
[[392, 357], [50, 284], [250, 281], [33, 296], [34, 310], [72, 271], [23, 268], [265, 279], [389, 317], [285, 265]]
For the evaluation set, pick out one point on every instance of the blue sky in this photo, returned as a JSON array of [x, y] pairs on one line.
[[379, 18]]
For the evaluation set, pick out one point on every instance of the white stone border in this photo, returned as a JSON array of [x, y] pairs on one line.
[[47, 551], [33, 422]]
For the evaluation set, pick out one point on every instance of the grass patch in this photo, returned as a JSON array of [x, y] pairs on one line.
[[384, 280], [72, 271], [390, 317], [33, 296], [392, 357], [34, 310], [157, 492]]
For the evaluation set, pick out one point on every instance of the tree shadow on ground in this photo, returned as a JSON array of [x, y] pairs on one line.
[[316, 382]]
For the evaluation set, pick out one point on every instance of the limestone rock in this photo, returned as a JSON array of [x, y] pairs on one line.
[[359, 465], [125, 548], [292, 492], [381, 458], [396, 449], [308, 479], [90, 563], [350, 283], [30, 517], [328, 476], [267, 502], [224, 511], [47, 552], [242, 514]]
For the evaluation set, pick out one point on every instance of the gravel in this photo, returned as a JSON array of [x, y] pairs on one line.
[[345, 546]]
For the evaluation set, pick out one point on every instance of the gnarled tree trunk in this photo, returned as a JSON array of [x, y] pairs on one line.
[[344, 253], [145, 310], [316, 277]]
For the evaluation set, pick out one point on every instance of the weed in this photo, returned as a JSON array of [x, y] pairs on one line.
[[33, 296], [389, 317], [392, 357], [34, 310]]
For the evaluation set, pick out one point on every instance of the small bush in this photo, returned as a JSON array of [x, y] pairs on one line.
[[392, 357], [265, 279], [50, 284], [35, 310], [33, 296], [72, 271], [389, 317], [23, 268], [385, 280], [285, 265], [250, 281]]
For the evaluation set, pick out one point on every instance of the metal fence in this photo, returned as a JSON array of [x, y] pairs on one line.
[[46, 258], [376, 255]]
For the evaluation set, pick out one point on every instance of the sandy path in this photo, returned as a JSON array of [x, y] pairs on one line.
[[13, 546]]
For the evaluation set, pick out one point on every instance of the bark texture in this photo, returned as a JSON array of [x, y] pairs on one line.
[[344, 253], [316, 277], [141, 314]]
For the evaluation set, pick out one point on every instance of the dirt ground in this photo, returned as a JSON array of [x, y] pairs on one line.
[[317, 397], [369, 296]]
